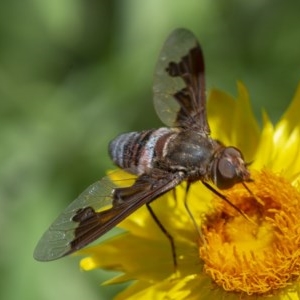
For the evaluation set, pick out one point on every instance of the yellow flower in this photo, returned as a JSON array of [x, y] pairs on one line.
[[242, 258]]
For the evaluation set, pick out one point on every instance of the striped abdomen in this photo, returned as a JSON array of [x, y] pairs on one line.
[[135, 151]]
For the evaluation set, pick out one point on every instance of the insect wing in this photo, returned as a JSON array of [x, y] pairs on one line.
[[57, 240], [87, 218], [179, 85]]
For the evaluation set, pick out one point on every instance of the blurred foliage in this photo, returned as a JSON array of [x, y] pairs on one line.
[[74, 74]]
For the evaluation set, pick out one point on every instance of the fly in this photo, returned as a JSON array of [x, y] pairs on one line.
[[160, 158]]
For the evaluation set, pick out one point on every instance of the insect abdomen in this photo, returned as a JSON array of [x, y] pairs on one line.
[[135, 151]]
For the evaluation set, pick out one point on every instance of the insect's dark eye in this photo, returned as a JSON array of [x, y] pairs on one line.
[[226, 169]]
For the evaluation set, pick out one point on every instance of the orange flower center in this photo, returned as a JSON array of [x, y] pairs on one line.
[[260, 256]]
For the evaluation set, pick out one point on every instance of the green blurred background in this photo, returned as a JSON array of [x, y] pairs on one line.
[[75, 73]]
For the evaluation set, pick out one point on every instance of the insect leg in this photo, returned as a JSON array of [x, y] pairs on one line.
[[227, 200], [258, 200], [174, 196], [190, 212], [165, 232]]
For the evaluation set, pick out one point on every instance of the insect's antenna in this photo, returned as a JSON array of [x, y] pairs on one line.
[[223, 197]]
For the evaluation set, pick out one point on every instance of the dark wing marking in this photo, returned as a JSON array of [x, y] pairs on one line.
[[82, 222], [179, 83]]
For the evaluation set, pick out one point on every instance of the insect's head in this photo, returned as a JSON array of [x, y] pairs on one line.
[[229, 168]]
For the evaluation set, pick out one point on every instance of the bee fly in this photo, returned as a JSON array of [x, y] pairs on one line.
[[160, 158]]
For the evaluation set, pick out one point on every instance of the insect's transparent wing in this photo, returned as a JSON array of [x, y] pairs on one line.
[[56, 241], [178, 44], [88, 217], [179, 84]]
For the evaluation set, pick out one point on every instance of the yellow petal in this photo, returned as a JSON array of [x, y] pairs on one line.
[[233, 122], [286, 160], [220, 107], [292, 113], [245, 134]]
